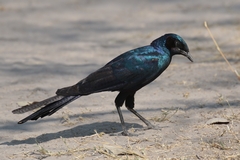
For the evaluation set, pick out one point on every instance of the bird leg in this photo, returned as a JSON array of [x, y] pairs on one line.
[[125, 131], [149, 125], [119, 102], [129, 103]]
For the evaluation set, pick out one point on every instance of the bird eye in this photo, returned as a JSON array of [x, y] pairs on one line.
[[178, 44]]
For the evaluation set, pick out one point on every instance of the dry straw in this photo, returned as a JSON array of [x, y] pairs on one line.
[[220, 51]]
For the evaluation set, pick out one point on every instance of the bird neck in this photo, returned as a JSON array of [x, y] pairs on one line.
[[159, 45]]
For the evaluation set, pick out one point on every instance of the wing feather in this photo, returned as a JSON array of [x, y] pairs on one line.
[[126, 72]]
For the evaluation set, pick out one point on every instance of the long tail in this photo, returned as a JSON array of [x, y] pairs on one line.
[[52, 105]]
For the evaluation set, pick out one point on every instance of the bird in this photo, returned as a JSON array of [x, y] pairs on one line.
[[127, 73]]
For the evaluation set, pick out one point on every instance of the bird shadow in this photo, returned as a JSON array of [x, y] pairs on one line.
[[78, 131], [107, 127]]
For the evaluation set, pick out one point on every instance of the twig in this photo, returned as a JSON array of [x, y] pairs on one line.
[[220, 51], [198, 157]]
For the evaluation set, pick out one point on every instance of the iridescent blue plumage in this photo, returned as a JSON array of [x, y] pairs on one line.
[[142, 64], [126, 73]]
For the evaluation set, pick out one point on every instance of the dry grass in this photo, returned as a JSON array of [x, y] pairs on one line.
[[222, 144], [165, 115], [220, 51]]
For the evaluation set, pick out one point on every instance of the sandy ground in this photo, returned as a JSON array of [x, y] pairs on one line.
[[46, 45]]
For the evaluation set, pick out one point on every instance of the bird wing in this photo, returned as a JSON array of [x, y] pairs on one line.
[[129, 71], [104, 79]]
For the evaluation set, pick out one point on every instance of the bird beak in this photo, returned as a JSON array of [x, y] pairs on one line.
[[189, 57], [186, 54], [176, 50]]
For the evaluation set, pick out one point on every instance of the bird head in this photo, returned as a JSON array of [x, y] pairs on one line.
[[176, 45]]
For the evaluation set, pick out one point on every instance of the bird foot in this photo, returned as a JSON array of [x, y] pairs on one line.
[[148, 127], [123, 133]]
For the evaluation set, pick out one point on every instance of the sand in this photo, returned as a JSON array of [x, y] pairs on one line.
[[46, 45]]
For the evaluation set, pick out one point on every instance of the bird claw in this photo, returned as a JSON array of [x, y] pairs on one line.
[[126, 133], [123, 133], [154, 127], [148, 127]]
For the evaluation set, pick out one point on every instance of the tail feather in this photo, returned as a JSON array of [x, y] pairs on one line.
[[50, 108], [62, 103], [36, 105]]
